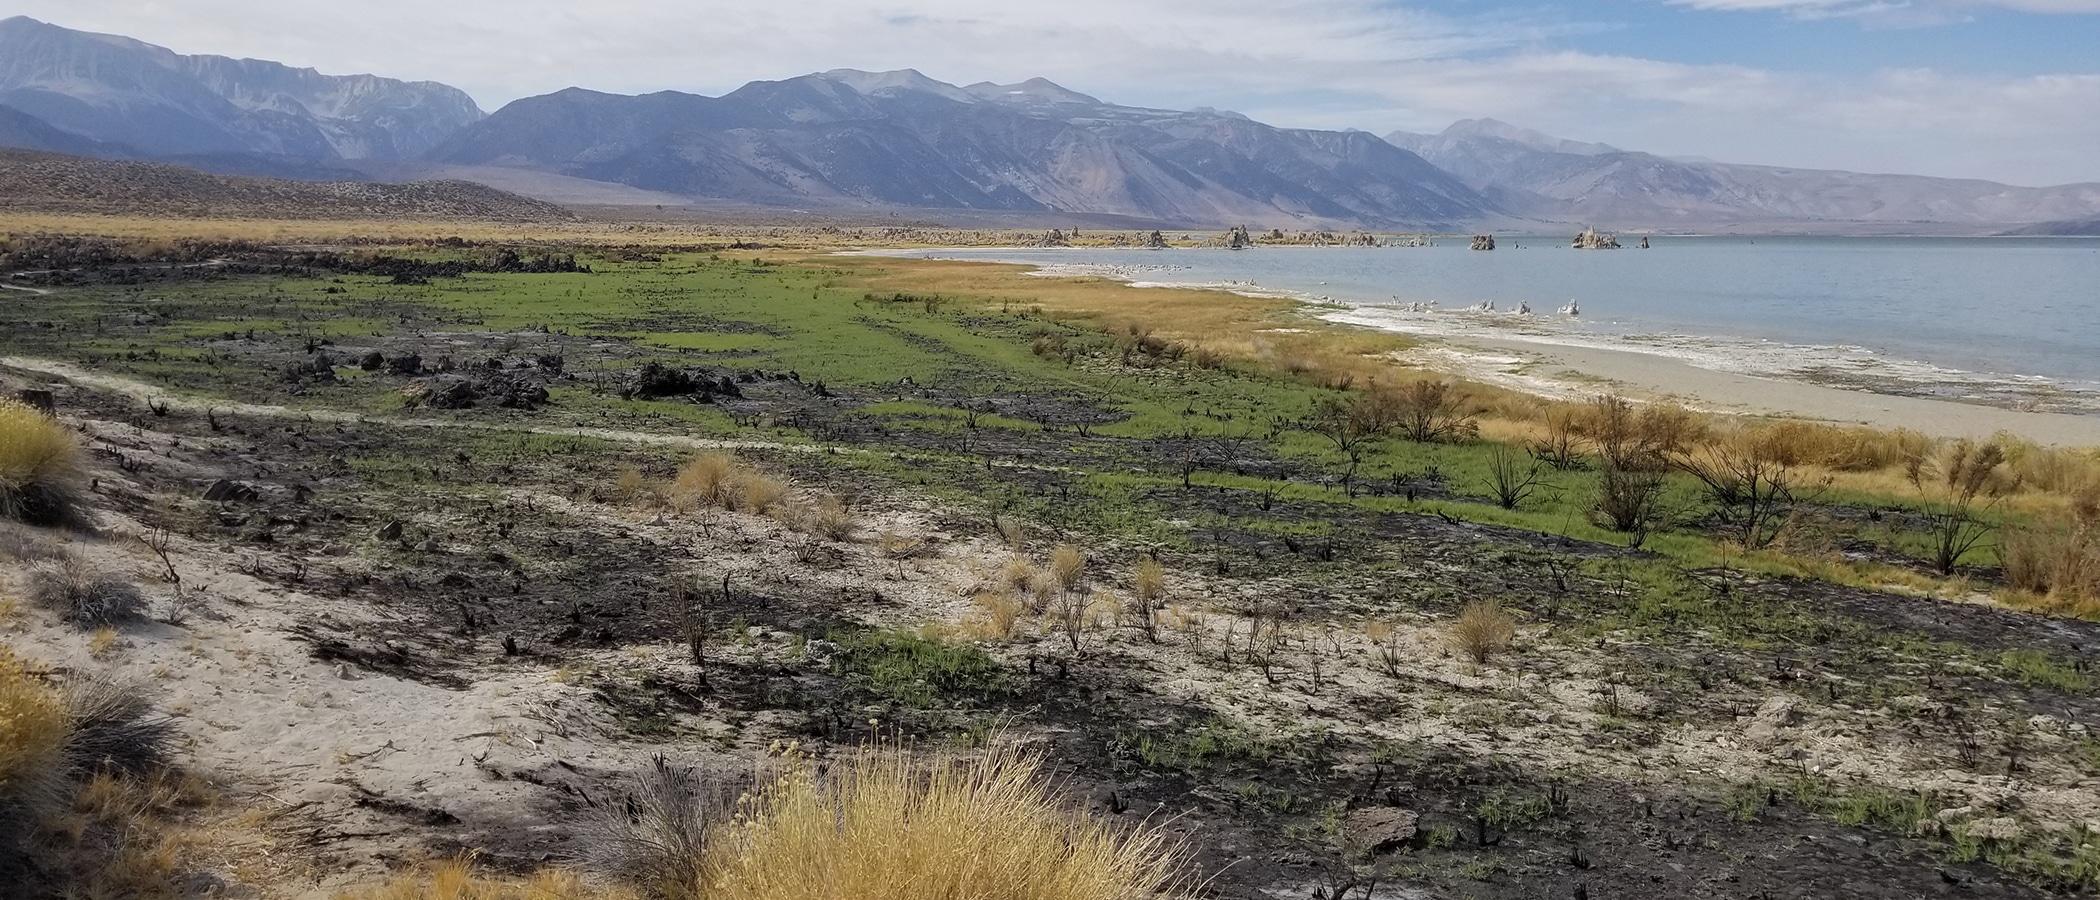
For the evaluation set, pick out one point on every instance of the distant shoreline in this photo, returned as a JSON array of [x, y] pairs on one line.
[[1563, 371]]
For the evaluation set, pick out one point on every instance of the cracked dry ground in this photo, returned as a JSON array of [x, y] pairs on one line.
[[410, 640]]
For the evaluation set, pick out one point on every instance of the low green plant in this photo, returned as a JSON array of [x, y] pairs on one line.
[[916, 670]]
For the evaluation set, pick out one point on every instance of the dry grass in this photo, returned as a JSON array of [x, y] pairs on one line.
[[886, 825], [1216, 330], [81, 795], [997, 617], [102, 642], [128, 837], [34, 727], [39, 466], [1149, 585], [457, 879], [708, 480], [657, 833], [826, 517], [1067, 567], [2054, 564], [1483, 629], [1017, 574], [718, 479]]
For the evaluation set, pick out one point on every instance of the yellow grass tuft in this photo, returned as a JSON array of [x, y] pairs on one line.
[[1067, 566], [2054, 564], [39, 464], [885, 825], [708, 480], [34, 726], [998, 617], [718, 479], [1483, 629], [1017, 574], [1150, 583]]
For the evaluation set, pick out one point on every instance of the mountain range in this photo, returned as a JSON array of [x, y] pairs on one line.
[[104, 95], [847, 139], [1532, 175]]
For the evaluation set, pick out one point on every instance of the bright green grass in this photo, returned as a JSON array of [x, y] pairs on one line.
[[697, 309]]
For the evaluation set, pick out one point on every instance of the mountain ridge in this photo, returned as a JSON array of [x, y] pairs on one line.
[[161, 104], [851, 139], [1535, 175]]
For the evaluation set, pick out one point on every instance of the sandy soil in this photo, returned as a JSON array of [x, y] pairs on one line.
[[1556, 370]]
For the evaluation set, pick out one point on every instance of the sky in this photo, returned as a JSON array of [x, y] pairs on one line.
[[2007, 90]]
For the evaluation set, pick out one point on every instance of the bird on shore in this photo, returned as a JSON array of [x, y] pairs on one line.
[[1572, 309]]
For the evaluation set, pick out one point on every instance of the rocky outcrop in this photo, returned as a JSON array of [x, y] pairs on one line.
[[1591, 239]]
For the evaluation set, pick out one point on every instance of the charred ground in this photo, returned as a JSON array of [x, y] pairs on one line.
[[437, 466]]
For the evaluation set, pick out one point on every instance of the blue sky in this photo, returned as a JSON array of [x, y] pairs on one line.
[[2001, 89]]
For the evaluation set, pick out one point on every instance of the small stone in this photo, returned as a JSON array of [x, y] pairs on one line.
[[1767, 726], [391, 531], [1370, 832], [224, 491]]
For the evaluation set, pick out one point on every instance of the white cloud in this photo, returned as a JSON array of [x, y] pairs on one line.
[[1340, 63], [1898, 11]]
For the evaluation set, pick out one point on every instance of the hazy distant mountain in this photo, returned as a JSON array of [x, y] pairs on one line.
[[152, 102], [878, 140], [1535, 175], [2068, 227], [902, 139]]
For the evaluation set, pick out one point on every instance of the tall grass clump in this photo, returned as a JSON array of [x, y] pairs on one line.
[[1957, 487], [1483, 629], [719, 479], [2057, 559], [34, 727], [656, 834], [886, 825], [708, 480], [39, 466]]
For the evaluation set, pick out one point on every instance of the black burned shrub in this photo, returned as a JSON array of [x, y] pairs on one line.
[[656, 380], [82, 595], [114, 728], [656, 831]]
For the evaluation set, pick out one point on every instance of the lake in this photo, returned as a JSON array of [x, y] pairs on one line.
[[2005, 321]]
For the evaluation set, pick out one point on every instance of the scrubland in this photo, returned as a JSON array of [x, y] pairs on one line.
[[626, 566]]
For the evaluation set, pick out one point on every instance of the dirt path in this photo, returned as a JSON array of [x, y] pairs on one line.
[[27, 290], [144, 392]]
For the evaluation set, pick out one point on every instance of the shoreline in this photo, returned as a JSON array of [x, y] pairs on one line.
[[1564, 371]]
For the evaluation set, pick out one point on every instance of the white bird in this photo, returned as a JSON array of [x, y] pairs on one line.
[[1524, 308], [1572, 309]]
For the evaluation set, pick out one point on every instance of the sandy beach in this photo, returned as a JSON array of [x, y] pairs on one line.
[[1562, 371]]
